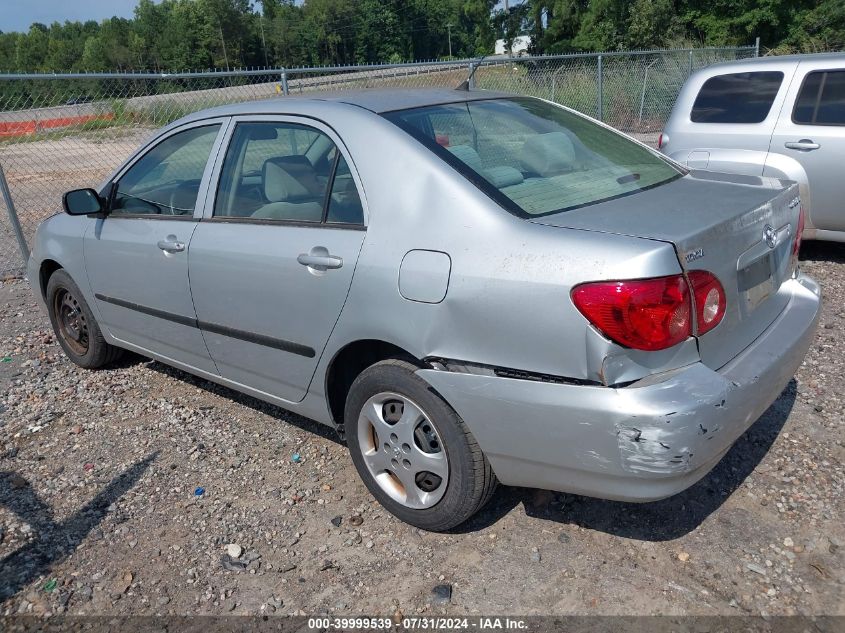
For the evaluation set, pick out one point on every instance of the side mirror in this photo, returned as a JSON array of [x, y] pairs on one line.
[[82, 202]]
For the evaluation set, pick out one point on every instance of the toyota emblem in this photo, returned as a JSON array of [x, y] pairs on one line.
[[769, 236]]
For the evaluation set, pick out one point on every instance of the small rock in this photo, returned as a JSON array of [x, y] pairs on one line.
[[787, 542], [441, 594], [683, 557], [122, 584], [369, 545], [337, 521], [232, 564], [563, 537], [234, 550], [535, 555], [356, 520], [756, 569], [327, 564], [164, 600]]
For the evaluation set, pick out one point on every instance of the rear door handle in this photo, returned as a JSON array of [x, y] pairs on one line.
[[171, 245], [804, 145], [320, 259]]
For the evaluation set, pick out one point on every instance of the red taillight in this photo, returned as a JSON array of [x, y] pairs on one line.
[[646, 314], [709, 299], [796, 245], [660, 141]]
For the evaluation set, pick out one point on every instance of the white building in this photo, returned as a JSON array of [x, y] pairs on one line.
[[519, 47]]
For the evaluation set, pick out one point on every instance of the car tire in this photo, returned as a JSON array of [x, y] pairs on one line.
[[76, 329], [388, 397]]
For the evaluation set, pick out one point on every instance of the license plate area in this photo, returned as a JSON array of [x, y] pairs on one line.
[[756, 282]]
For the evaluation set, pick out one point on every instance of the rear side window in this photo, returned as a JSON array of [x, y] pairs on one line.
[[286, 172], [822, 99], [737, 98]]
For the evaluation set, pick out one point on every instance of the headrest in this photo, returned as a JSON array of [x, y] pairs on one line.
[[467, 155], [289, 178], [503, 176], [548, 154]]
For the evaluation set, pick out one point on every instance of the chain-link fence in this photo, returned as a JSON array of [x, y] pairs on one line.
[[60, 132]]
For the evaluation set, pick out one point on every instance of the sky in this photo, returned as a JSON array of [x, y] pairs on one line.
[[17, 15]]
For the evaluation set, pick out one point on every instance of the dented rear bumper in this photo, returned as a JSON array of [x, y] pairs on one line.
[[642, 442]]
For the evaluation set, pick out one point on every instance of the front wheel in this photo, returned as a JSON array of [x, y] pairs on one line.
[[412, 450], [75, 326]]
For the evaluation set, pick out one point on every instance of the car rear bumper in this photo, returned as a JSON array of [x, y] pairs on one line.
[[642, 442]]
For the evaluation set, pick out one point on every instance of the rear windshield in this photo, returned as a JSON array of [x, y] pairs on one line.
[[737, 98], [532, 157]]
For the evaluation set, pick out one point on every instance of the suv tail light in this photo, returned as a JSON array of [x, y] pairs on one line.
[[646, 314], [796, 245], [709, 299], [652, 314]]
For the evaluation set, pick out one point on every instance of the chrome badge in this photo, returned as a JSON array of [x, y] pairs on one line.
[[770, 236], [693, 255]]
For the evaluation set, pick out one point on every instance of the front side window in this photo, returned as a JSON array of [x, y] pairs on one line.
[[737, 98], [286, 172], [822, 99], [166, 180], [532, 157]]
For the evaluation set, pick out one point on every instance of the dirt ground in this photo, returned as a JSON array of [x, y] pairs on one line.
[[100, 511]]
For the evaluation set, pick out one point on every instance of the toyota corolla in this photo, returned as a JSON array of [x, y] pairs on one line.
[[470, 287]]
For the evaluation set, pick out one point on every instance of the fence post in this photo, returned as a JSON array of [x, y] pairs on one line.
[[471, 77], [600, 96], [13, 216], [285, 82], [690, 64], [757, 47]]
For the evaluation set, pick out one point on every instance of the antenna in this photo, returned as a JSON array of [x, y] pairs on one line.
[[464, 85]]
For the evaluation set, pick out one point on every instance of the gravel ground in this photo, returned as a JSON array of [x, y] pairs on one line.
[[99, 511]]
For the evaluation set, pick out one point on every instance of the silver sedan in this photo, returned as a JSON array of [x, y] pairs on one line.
[[470, 287]]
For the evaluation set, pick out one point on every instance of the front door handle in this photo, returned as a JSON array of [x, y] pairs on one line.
[[171, 245], [804, 145], [319, 259]]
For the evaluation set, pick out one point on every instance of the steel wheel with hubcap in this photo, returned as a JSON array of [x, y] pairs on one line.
[[412, 450], [402, 450]]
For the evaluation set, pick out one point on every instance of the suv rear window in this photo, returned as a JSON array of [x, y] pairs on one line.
[[822, 99], [532, 157], [737, 98]]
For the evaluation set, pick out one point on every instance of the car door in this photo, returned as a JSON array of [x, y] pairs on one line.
[[272, 261], [136, 256], [811, 130]]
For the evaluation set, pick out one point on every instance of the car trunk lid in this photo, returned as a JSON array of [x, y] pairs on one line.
[[740, 228]]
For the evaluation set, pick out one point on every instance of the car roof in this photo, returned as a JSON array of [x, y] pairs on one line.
[[378, 100], [779, 59]]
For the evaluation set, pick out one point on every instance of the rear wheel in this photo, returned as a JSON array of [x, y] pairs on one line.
[[75, 326], [412, 450]]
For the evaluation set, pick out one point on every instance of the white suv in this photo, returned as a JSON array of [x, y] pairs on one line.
[[770, 116]]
